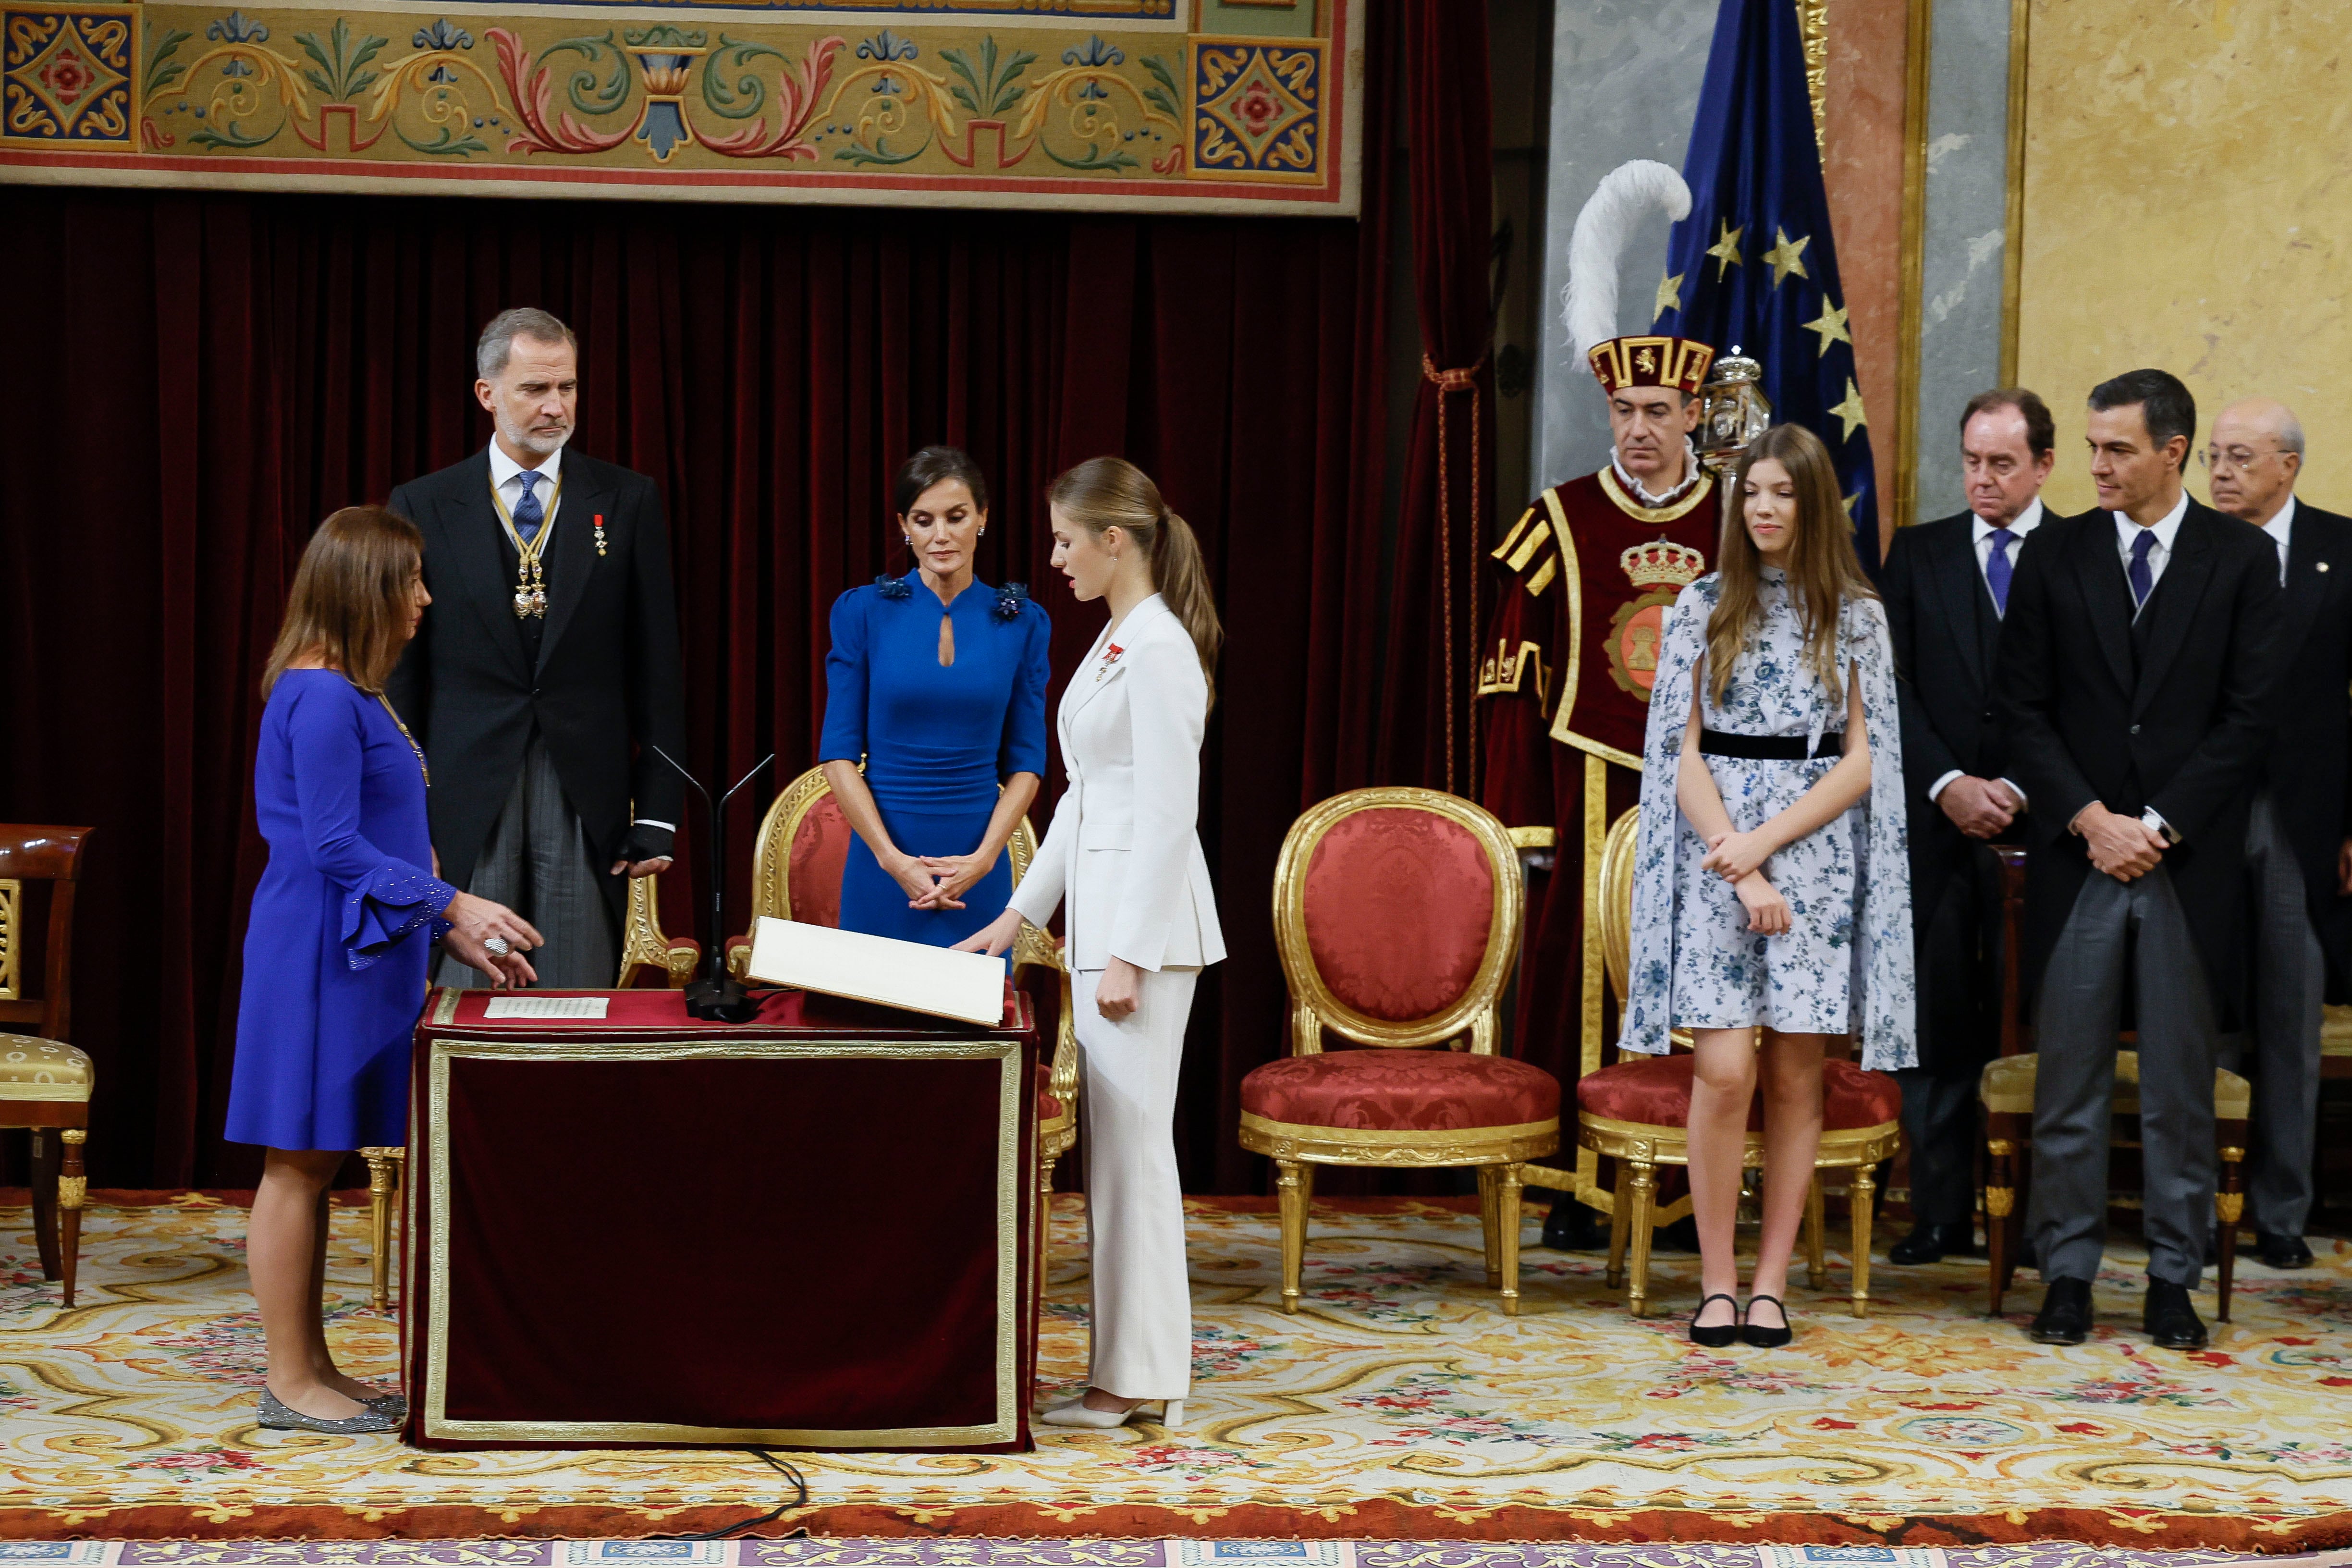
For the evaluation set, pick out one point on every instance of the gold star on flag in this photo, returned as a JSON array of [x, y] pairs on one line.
[[1785, 256], [1850, 411], [1831, 324], [1725, 250], [1670, 294], [1850, 501]]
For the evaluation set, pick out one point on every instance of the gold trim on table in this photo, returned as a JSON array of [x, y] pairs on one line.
[[1011, 1176]]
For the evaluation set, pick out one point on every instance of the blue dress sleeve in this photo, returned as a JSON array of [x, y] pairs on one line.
[[385, 898], [844, 682], [1023, 751]]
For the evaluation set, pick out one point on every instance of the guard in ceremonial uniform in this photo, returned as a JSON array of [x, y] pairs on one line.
[[1591, 570]]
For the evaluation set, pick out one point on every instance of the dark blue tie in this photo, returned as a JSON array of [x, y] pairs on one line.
[[2143, 581], [1997, 570], [528, 513]]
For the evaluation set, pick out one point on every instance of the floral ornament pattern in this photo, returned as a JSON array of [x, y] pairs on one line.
[[1544, 1427], [1010, 598], [1845, 965], [894, 587]]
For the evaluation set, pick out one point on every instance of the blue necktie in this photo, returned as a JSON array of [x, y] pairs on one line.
[[528, 513], [2143, 581], [1997, 570]]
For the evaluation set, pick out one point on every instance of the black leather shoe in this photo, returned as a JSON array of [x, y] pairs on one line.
[[1760, 1335], [1572, 1227], [1930, 1242], [2278, 1251], [1715, 1336], [2170, 1320], [2065, 1315]]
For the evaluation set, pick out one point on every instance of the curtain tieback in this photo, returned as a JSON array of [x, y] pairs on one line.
[[1464, 379]]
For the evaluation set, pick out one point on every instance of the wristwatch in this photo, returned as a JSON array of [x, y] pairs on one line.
[[2158, 825]]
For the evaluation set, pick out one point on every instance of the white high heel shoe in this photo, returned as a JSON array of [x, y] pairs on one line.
[[1078, 1412]]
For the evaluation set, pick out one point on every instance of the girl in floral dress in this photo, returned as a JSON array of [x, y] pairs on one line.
[[1771, 892]]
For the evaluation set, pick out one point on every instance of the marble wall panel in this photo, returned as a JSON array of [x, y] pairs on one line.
[[1862, 165], [2188, 205], [1968, 184]]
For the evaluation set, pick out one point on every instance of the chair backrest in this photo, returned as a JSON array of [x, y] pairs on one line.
[[1397, 911], [30, 853]]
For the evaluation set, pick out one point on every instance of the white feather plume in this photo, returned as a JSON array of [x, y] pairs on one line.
[[1589, 303]]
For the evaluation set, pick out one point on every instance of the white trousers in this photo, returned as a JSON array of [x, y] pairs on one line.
[[1142, 1289]]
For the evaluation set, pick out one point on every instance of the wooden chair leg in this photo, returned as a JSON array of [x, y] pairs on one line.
[[1490, 1221], [1646, 1207], [2229, 1209], [1861, 1196], [1507, 1188], [1817, 1265], [46, 1154], [1617, 1227], [379, 1165], [2001, 1200], [72, 1186], [1293, 1185]]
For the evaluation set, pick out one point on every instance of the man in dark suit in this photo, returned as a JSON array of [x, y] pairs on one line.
[[1946, 587], [547, 667], [2299, 844], [2135, 674]]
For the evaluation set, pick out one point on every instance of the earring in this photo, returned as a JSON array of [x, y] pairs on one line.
[[984, 532]]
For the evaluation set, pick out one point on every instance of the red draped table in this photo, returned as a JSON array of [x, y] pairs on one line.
[[812, 1230]]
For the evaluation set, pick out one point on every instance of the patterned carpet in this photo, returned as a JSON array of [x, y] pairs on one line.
[[1402, 1405]]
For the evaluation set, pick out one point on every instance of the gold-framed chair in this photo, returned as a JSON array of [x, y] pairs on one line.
[[1397, 911], [796, 861], [46, 1083], [1636, 1113]]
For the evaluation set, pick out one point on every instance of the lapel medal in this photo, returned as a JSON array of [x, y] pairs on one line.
[[1110, 656], [600, 534]]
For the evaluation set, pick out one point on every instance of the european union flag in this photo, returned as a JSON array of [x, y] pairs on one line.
[[1754, 263]]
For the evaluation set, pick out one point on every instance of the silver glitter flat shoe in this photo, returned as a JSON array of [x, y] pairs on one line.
[[392, 1405], [277, 1413]]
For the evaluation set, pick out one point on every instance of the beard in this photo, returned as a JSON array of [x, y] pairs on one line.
[[537, 445]]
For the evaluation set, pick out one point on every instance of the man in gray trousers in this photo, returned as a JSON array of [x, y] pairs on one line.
[[2299, 847], [2135, 674]]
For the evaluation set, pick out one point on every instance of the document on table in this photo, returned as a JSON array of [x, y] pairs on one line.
[[546, 1008], [967, 986]]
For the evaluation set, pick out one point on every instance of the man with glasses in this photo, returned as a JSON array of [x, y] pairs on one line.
[[2299, 838]]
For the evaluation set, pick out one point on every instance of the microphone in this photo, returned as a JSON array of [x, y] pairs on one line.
[[718, 997]]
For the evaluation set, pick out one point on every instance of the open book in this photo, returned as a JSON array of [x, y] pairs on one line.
[[966, 986]]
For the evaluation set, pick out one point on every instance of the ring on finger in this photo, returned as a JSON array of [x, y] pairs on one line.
[[497, 946]]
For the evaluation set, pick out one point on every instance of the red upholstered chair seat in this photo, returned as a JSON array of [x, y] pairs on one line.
[[1656, 1092], [1401, 1092]]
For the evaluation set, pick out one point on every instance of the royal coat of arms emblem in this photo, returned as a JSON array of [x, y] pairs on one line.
[[1659, 571]]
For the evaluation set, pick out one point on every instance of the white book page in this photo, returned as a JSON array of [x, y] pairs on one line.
[[967, 986], [546, 1008]]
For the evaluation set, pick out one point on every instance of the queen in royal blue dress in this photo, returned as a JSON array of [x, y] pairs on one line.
[[937, 739], [936, 683]]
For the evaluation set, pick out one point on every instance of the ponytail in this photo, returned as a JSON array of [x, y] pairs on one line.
[[1111, 492]]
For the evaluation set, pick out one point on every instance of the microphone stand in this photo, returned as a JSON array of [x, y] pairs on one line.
[[718, 997]]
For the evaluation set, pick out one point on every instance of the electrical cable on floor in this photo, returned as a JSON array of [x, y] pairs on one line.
[[729, 1532]]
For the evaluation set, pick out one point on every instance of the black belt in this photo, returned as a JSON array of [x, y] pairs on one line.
[[1769, 748]]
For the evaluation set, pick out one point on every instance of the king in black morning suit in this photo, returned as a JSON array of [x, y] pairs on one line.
[[596, 681]]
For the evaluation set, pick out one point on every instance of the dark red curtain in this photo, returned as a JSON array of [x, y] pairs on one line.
[[199, 378], [1449, 475]]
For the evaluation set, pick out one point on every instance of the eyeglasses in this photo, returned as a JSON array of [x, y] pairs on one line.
[[2213, 459]]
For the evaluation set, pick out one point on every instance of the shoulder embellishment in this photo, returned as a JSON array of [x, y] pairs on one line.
[[894, 587], [1010, 598]]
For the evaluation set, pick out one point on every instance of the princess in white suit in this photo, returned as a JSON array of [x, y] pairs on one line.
[[1123, 854]]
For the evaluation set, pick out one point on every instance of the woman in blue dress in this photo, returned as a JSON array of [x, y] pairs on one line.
[[938, 681], [336, 946]]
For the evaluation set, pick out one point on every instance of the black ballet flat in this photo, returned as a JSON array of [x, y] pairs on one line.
[[1763, 1337], [1717, 1335]]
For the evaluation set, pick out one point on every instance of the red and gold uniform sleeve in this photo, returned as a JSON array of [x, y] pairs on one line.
[[1518, 689]]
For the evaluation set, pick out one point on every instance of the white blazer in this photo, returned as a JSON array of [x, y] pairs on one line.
[[1124, 849]]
